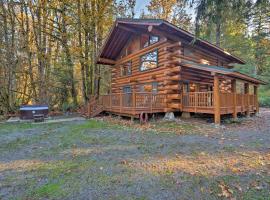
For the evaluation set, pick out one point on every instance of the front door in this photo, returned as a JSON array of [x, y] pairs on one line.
[[185, 90], [127, 96]]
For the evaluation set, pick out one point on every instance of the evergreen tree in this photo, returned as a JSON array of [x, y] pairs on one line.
[[174, 11], [261, 34], [214, 13]]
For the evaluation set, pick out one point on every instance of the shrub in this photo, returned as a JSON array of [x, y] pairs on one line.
[[68, 107], [264, 97], [264, 101]]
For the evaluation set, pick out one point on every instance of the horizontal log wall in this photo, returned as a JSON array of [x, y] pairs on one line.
[[138, 77], [169, 71]]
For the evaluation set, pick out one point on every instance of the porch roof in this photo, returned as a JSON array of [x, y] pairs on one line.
[[224, 71]]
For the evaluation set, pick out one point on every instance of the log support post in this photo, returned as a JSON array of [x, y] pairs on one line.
[[234, 98], [256, 98], [185, 115], [134, 101], [247, 99], [182, 95], [216, 99], [197, 87], [121, 103]]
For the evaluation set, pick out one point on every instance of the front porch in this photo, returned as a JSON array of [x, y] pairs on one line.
[[133, 104], [200, 89], [204, 102]]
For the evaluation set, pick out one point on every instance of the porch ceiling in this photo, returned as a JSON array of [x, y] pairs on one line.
[[224, 71]]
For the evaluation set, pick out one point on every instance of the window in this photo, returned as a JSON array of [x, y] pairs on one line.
[[149, 87], [127, 89], [153, 39], [147, 40], [149, 61], [126, 69]]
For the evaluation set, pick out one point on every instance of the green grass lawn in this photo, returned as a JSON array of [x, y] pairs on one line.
[[104, 160]]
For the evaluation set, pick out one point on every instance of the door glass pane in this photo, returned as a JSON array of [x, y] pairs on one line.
[[155, 87], [127, 96], [126, 89]]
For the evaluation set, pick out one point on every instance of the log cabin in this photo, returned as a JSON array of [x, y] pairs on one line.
[[157, 67]]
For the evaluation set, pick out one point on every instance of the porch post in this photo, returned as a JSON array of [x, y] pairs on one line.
[[134, 100], [197, 87], [182, 96], [216, 99], [121, 99], [234, 98], [256, 98], [247, 99]]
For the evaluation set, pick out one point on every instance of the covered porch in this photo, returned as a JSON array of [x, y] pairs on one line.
[[201, 89], [217, 90], [213, 102]]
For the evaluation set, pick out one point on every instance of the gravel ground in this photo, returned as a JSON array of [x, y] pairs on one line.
[[110, 159]]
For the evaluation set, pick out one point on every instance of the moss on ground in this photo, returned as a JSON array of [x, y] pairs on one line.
[[95, 159]]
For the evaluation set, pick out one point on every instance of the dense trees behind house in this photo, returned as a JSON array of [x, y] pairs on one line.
[[48, 48]]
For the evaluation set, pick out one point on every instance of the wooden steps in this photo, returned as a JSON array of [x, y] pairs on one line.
[[93, 108]]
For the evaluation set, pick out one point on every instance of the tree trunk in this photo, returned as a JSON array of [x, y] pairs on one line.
[[83, 65], [68, 56], [218, 33]]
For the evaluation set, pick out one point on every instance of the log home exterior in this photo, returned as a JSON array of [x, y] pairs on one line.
[[157, 67]]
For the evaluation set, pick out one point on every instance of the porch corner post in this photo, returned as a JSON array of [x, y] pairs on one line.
[[134, 101], [247, 99], [182, 96], [216, 99], [234, 98], [256, 98], [121, 99]]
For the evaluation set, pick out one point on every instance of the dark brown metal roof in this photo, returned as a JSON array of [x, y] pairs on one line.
[[224, 71], [119, 37]]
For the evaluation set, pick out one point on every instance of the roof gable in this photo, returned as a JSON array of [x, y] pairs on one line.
[[123, 29]]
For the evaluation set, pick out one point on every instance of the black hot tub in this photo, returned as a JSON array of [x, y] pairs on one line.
[[29, 111]]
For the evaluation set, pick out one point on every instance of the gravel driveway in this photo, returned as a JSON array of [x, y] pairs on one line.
[[110, 159]]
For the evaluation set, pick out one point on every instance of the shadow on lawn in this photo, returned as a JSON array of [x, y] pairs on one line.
[[243, 175], [94, 160]]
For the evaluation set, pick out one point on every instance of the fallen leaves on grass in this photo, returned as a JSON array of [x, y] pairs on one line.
[[21, 165], [256, 185], [76, 151], [225, 191], [160, 126], [206, 164]]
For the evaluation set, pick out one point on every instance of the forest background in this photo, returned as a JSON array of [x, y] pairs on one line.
[[48, 48]]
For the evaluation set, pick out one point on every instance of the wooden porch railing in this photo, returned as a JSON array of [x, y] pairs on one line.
[[133, 102], [198, 99], [204, 102], [226, 100], [201, 102]]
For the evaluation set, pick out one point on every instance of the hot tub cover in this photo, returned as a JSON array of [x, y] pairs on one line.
[[34, 107]]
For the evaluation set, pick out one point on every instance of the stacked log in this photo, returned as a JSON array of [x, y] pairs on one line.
[[172, 77]]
